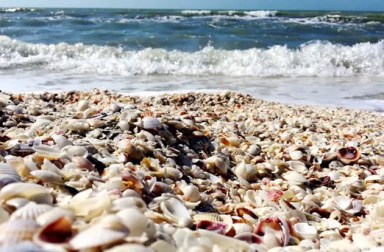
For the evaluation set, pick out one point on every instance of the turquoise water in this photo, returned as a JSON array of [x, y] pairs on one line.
[[181, 50]]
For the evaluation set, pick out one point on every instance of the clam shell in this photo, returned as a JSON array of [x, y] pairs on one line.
[[47, 176], [73, 151], [102, 235], [82, 105], [54, 214], [176, 212], [80, 125], [294, 177], [141, 228], [30, 191], [246, 171], [218, 163], [14, 231], [61, 141], [191, 193], [161, 245], [54, 236], [83, 163], [47, 152], [348, 155], [8, 175], [305, 231], [131, 247], [129, 202], [4, 215], [151, 123], [88, 207], [254, 150], [30, 211]]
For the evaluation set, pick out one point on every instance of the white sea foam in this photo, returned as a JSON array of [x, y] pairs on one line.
[[196, 12], [311, 59]]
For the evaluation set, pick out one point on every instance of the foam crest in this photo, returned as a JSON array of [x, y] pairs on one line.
[[312, 59]]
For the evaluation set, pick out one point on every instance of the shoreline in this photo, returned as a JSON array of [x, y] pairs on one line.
[[198, 170]]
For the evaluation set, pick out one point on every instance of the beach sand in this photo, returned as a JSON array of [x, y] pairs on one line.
[[187, 172]]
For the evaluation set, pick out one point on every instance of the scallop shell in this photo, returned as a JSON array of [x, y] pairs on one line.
[[30, 211], [29, 191], [8, 175], [176, 212], [14, 231], [22, 246], [348, 155], [305, 231]]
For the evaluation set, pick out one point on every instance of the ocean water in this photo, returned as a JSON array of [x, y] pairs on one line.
[[304, 57]]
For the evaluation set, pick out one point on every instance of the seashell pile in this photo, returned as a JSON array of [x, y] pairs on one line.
[[99, 171]]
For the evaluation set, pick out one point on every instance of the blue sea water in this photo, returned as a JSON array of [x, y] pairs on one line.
[[310, 57]]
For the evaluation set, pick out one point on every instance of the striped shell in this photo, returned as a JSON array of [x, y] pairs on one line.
[[30, 211]]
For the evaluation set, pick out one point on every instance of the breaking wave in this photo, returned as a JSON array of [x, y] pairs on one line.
[[310, 59]]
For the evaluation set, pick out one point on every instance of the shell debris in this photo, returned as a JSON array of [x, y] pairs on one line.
[[187, 172]]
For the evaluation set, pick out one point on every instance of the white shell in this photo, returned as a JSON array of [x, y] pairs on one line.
[[128, 202], [246, 171], [14, 231], [72, 151], [131, 248], [141, 228], [48, 152], [30, 191], [151, 123], [343, 202], [61, 141], [294, 177], [54, 214], [190, 193], [305, 231], [30, 211], [176, 212], [47, 176], [82, 105], [218, 163]]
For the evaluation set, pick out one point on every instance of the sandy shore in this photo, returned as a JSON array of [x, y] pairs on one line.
[[187, 172]]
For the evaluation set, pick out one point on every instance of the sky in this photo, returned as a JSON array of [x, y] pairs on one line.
[[377, 5]]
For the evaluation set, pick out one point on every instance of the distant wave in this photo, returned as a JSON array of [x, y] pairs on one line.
[[311, 59], [255, 13], [15, 10]]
